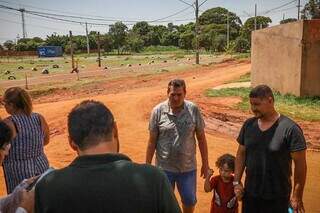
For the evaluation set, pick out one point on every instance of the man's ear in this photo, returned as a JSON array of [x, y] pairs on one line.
[[72, 144]]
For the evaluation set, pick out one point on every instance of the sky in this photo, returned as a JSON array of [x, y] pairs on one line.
[[124, 10]]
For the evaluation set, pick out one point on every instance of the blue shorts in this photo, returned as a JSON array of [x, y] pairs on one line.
[[186, 184]]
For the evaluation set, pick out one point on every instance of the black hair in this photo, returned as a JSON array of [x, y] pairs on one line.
[[226, 159], [176, 83], [89, 123], [5, 134], [261, 91]]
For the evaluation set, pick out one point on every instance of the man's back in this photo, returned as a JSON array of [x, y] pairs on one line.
[[105, 183]]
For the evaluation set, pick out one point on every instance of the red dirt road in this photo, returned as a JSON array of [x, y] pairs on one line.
[[132, 107]]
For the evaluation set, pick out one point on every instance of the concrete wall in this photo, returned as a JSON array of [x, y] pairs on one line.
[[276, 57], [310, 78], [287, 58]]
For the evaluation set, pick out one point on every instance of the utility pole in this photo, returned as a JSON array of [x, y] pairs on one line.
[[26, 80], [299, 5], [99, 51], [228, 31], [284, 16], [17, 38], [24, 33], [197, 31], [255, 17], [71, 50], [88, 46]]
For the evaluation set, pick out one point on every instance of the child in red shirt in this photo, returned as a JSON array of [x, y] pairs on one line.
[[224, 199]]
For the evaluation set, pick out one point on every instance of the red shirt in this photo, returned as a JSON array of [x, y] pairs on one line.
[[224, 199]]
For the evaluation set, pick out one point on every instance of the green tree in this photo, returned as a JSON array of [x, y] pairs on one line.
[[118, 32], [218, 43], [186, 40], [93, 35], [288, 20], [172, 27], [134, 42], [155, 35], [170, 38], [1, 47], [21, 46], [107, 43], [9, 45], [241, 45], [57, 40], [311, 10], [249, 25], [80, 42], [142, 29], [29, 44], [220, 16], [213, 28], [187, 36]]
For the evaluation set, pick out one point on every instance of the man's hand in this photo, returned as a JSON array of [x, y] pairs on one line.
[[4, 151], [204, 170], [27, 200], [297, 205], [238, 191]]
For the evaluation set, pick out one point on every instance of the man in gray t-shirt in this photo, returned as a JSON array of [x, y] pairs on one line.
[[173, 126]]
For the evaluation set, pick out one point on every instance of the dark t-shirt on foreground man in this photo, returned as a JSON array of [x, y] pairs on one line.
[[100, 179]]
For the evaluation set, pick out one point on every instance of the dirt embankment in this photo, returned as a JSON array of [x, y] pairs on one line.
[[221, 117]]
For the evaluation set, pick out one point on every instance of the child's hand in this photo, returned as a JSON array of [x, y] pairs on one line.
[[210, 172]]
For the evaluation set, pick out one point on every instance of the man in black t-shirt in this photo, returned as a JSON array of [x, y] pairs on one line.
[[268, 143]]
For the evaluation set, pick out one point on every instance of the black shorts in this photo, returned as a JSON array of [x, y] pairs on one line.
[[259, 205]]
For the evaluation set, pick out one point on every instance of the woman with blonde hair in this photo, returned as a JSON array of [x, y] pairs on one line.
[[26, 157]]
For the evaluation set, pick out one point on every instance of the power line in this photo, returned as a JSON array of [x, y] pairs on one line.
[[186, 3], [38, 26], [279, 7], [274, 10], [32, 17], [57, 17], [203, 3], [58, 11], [180, 11], [81, 17]]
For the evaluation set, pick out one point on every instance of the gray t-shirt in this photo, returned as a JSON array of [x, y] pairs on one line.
[[176, 143]]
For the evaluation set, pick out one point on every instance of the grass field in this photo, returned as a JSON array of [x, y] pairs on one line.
[[33, 66], [295, 107], [29, 63]]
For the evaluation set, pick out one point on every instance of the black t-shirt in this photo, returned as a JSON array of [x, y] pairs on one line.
[[268, 159], [105, 183]]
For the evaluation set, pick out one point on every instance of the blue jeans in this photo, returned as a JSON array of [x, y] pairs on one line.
[[186, 184]]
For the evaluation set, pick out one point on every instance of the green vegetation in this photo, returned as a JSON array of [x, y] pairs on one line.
[[244, 78], [288, 20], [307, 108], [311, 10], [154, 38], [144, 37]]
